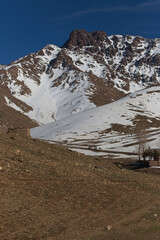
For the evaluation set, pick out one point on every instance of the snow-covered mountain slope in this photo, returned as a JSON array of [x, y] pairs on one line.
[[112, 126], [45, 100], [91, 69]]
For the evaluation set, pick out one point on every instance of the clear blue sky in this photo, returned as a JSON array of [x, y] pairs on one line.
[[29, 25]]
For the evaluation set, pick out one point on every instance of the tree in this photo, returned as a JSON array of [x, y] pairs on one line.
[[141, 136]]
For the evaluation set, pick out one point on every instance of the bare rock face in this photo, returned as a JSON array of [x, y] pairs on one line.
[[90, 69], [81, 38], [62, 60]]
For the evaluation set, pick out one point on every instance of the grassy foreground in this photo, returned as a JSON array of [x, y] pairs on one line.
[[49, 192]]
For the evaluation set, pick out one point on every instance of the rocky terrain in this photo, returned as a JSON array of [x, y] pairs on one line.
[[49, 192], [95, 90], [90, 69]]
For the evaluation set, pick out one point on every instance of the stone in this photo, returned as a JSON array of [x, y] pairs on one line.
[[109, 227], [155, 215]]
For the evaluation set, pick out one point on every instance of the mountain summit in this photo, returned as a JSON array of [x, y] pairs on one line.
[[91, 69], [81, 38]]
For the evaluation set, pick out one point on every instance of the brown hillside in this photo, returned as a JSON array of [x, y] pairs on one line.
[[49, 192]]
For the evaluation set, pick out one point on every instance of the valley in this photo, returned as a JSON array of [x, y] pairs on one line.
[[71, 119]]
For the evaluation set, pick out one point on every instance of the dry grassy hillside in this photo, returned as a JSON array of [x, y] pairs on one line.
[[9, 116], [49, 192]]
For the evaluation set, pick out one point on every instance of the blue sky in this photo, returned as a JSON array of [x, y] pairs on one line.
[[29, 25]]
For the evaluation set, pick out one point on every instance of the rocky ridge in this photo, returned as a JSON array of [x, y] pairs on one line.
[[90, 69]]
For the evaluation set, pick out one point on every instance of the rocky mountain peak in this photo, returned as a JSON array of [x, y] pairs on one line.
[[81, 38], [91, 69]]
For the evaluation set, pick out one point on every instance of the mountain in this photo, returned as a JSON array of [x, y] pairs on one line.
[[89, 70], [96, 93], [112, 126]]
